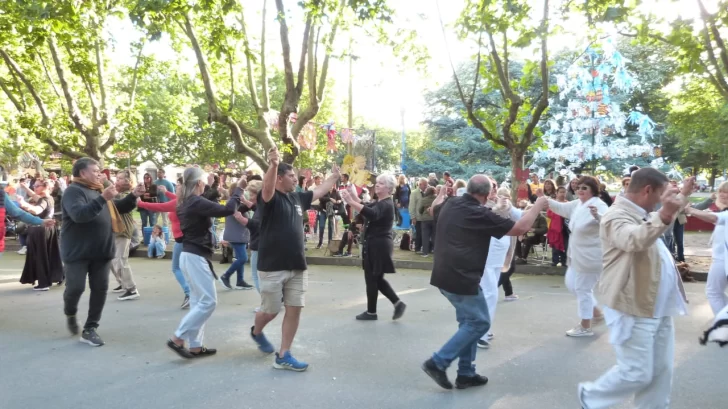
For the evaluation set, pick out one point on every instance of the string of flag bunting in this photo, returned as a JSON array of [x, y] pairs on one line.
[[308, 135]]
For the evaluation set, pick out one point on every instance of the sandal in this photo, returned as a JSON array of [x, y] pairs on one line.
[[180, 350], [204, 352]]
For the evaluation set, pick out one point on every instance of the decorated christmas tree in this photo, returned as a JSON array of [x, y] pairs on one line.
[[592, 128]]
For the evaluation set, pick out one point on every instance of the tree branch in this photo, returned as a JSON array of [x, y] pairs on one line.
[[249, 65], [101, 77], [10, 95], [36, 97], [505, 85], [73, 112], [713, 80], [286, 45], [265, 97], [543, 102], [48, 76], [716, 36], [306, 50], [477, 70], [711, 56]]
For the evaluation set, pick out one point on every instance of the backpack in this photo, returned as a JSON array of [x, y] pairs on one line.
[[405, 243]]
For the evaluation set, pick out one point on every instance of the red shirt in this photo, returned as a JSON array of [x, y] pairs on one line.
[[169, 207]]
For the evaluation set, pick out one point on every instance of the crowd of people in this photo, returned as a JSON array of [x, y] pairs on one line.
[[620, 253]]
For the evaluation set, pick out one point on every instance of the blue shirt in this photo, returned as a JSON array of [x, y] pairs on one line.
[[167, 184], [12, 210]]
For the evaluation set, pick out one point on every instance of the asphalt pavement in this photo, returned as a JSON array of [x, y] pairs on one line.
[[376, 364]]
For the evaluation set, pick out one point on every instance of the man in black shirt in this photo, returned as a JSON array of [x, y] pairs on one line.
[[464, 229], [281, 256]]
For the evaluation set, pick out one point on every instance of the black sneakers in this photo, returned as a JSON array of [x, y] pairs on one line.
[[129, 295], [463, 382], [437, 374], [243, 286], [186, 302], [365, 316], [89, 336], [72, 324], [226, 282], [399, 308], [118, 289]]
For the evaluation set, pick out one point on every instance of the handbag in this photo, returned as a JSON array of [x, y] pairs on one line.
[[21, 228]]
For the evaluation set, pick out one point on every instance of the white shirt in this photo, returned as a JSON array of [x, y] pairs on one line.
[[669, 301], [719, 238], [585, 246]]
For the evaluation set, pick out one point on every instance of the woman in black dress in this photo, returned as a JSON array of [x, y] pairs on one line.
[[43, 260], [377, 245]]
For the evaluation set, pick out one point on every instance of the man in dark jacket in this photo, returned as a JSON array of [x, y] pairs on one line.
[[91, 217], [464, 230]]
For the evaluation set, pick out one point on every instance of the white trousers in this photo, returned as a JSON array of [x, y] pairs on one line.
[[203, 298], [489, 286], [583, 286], [715, 286], [644, 369]]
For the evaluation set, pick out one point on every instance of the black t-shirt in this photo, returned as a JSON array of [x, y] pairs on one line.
[[280, 246], [464, 229]]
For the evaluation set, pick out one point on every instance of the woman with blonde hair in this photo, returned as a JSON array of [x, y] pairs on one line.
[[717, 281], [377, 246]]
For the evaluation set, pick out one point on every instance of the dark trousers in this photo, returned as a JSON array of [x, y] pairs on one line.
[[678, 234], [418, 235], [346, 240], [428, 230], [376, 283], [322, 218], [558, 256], [528, 243], [505, 279], [98, 281]]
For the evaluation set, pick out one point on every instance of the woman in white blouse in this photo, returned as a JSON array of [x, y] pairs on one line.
[[717, 281], [584, 256]]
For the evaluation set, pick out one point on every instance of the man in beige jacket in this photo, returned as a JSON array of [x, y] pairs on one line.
[[641, 291]]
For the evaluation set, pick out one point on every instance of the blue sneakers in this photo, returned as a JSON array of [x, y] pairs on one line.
[[289, 362], [263, 344]]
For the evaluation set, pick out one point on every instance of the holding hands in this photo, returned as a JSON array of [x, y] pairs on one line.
[[110, 192]]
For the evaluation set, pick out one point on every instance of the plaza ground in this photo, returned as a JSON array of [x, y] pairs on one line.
[[354, 364]]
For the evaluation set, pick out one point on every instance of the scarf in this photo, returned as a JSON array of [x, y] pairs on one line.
[[117, 224]]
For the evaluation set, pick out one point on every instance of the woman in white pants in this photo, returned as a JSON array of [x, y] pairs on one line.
[[195, 214], [584, 256], [498, 252], [718, 274]]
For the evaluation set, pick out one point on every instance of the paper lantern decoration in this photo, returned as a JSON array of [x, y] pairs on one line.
[[307, 136], [355, 168], [658, 151], [347, 136]]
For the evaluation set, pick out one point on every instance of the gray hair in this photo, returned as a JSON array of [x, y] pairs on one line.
[[82, 164], [479, 185], [189, 180], [389, 180]]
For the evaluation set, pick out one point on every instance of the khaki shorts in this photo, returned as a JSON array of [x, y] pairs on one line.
[[284, 287]]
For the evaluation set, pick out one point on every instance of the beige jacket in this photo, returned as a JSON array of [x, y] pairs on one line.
[[632, 265]]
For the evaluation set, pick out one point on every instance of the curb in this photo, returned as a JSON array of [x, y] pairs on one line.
[[528, 269]]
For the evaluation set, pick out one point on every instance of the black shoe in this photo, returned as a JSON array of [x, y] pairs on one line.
[[211, 351], [118, 289], [521, 261], [129, 295], [179, 349], [89, 336], [318, 246], [224, 261], [399, 308], [463, 382], [243, 286], [72, 324], [186, 302], [365, 316], [226, 282], [437, 374]]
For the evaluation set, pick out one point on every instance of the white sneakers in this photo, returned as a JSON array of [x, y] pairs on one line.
[[579, 331], [23, 251]]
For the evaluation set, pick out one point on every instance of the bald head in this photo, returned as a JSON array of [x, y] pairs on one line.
[[479, 186]]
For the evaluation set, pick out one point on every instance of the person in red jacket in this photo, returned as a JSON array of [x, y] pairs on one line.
[[556, 235], [171, 208]]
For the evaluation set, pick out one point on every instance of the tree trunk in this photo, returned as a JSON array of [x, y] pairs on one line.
[[711, 180], [517, 162]]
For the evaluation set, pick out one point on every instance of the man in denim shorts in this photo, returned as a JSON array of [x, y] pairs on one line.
[[281, 255]]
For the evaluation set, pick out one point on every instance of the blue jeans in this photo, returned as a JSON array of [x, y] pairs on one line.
[[177, 270], [254, 269], [471, 312], [241, 256], [155, 249], [322, 224], [23, 238], [149, 219]]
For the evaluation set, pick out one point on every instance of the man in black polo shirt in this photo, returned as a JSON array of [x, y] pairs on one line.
[[464, 229], [281, 257]]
